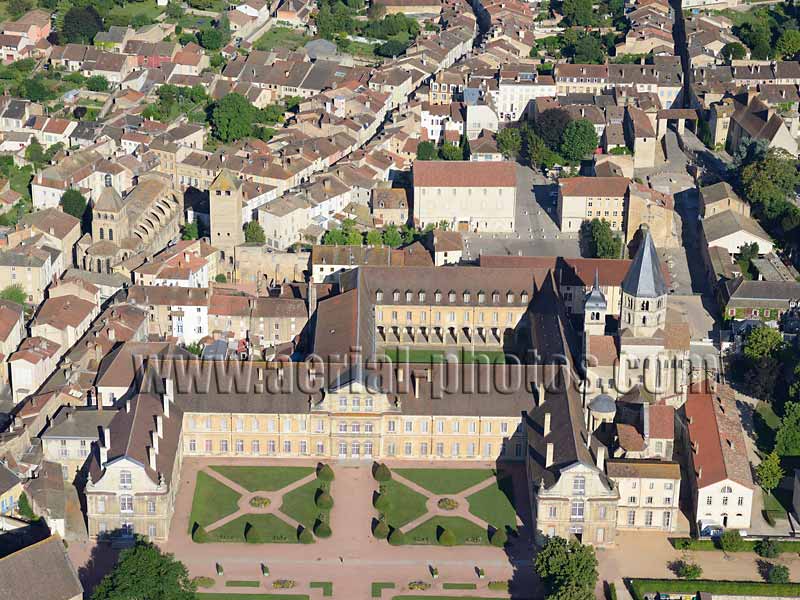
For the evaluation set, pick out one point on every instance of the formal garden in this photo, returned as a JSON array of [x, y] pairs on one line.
[[261, 505], [443, 506]]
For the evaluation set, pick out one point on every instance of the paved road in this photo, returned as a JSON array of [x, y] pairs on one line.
[[536, 232]]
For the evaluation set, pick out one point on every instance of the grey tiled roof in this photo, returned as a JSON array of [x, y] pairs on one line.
[[645, 279]]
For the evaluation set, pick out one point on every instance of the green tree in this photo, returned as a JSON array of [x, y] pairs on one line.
[[382, 473], [334, 237], [731, 541], [35, 89], [190, 231], [220, 278], [374, 237], [143, 571], [450, 151], [73, 203], [688, 570], [17, 8], [602, 241], [426, 151], [81, 24], [24, 507], [587, 50], [787, 438], [232, 118], [210, 38], [758, 37], [771, 179], [35, 154], [770, 472], [254, 233], [762, 341], [509, 142], [579, 139], [539, 155], [97, 83], [578, 12], [14, 293], [747, 252], [550, 126], [562, 563], [174, 10], [788, 45], [392, 237], [733, 51]]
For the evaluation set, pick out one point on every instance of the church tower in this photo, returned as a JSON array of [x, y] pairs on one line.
[[225, 211], [644, 292], [595, 308]]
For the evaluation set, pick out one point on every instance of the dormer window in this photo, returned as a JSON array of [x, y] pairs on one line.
[[438, 296], [396, 295], [524, 297], [451, 296], [379, 296], [510, 297], [421, 296], [481, 297], [466, 297], [495, 297], [409, 295]]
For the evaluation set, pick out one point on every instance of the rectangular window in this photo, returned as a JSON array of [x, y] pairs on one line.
[[648, 518], [208, 446], [666, 520], [552, 512], [271, 447], [287, 447], [631, 518], [576, 510], [223, 445], [303, 447], [439, 449], [409, 426], [151, 507], [423, 449], [407, 448], [255, 447], [391, 427], [126, 503]]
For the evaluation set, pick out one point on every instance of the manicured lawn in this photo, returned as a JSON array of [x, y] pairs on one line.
[[325, 586], [252, 596], [460, 586], [281, 37], [413, 597], [465, 531], [212, 500], [267, 529], [405, 504], [129, 10], [436, 356], [445, 481], [744, 588], [493, 505], [242, 583], [299, 504], [379, 586], [263, 479]]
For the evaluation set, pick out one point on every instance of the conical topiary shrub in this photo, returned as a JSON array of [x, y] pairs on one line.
[[382, 503], [199, 534], [325, 473], [322, 529], [397, 538], [324, 500], [382, 473], [381, 530], [305, 536], [447, 538], [499, 538]]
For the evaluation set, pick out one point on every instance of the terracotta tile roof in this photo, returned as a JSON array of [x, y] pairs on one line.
[[629, 437], [604, 349], [716, 438], [649, 469], [64, 311], [615, 187], [477, 174], [662, 421]]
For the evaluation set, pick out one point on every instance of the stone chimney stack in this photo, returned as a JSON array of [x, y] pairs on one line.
[[549, 457], [160, 426], [601, 458], [546, 424]]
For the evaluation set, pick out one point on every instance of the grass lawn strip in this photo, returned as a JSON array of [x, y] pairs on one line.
[[325, 586], [212, 500], [241, 583], [379, 586], [493, 506], [267, 479], [405, 504], [299, 504], [460, 586], [465, 531], [446, 481], [414, 597], [283, 37], [267, 529], [639, 587], [223, 596]]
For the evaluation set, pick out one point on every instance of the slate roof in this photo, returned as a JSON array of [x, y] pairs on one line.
[[645, 278]]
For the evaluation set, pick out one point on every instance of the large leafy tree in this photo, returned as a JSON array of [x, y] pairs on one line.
[[81, 24], [770, 472], [392, 237], [588, 50], [578, 12], [763, 341], [788, 45], [73, 203], [451, 152], [579, 139], [232, 118], [143, 571], [254, 233], [14, 293], [426, 151], [733, 51], [97, 83], [758, 37], [771, 179], [567, 565], [509, 142], [787, 438], [550, 126], [602, 241]]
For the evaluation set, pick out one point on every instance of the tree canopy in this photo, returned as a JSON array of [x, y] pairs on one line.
[[509, 142], [73, 203], [550, 126], [578, 12], [567, 565], [579, 139], [190, 231], [232, 118], [787, 438], [427, 151], [143, 571], [81, 24], [769, 471], [97, 83], [733, 51], [762, 341], [603, 243], [14, 293], [254, 233]]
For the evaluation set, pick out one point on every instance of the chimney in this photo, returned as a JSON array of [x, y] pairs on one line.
[[549, 458], [154, 441], [128, 405], [546, 424], [112, 334], [160, 426], [169, 395], [601, 458], [152, 456], [106, 445], [539, 394]]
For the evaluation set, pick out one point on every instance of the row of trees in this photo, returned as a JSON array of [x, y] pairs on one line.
[[447, 151], [392, 236]]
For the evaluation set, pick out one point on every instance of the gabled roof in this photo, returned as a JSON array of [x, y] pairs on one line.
[[645, 278], [41, 571]]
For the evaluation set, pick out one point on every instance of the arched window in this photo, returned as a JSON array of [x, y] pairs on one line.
[[108, 180], [726, 489], [644, 320]]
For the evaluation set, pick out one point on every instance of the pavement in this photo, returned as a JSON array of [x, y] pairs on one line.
[[536, 232]]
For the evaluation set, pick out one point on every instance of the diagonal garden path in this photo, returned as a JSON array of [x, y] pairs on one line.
[[275, 499], [432, 502]]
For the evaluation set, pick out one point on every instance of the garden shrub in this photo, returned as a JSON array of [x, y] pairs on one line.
[[397, 538], [778, 574], [203, 582], [731, 541], [325, 473], [323, 499], [382, 473], [382, 503], [419, 585], [284, 584], [322, 529], [447, 538], [305, 537], [199, 534], [767, 549], [688, 570], [381, 530], [447, 504], [499, 538]]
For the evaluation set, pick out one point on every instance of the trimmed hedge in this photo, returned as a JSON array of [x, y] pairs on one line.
[[382, 473], [305, 537], [747, 545], [324, 500], [325, 473], [640, 587]]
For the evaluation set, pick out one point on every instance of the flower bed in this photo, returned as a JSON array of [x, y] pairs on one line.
[[259, 502], [419, 586], [447, 504]]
